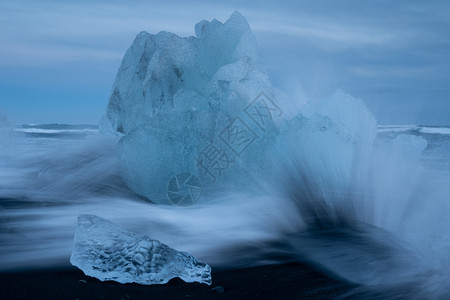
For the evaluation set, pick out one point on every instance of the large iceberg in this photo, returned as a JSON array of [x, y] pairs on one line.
[[192, 111], [108, 252], [196, 113]]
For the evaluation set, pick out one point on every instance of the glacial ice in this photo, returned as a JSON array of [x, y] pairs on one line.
[[107, 252], [174, 99], [197, 111]]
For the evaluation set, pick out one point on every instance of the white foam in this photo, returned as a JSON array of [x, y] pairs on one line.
[[50, 131], [435, 130], [396, 128]]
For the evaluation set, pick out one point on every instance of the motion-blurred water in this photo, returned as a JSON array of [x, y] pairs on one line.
[[393, 231]]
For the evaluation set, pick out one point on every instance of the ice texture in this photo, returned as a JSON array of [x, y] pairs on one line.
[[173, 96], [107, 252]]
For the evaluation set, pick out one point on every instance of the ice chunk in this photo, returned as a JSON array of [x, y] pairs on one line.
[[7, 138], [332, 142], [174, 96], [108, 252], [3, 120]]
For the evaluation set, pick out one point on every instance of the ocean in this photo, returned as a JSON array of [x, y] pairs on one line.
[[50, 173]]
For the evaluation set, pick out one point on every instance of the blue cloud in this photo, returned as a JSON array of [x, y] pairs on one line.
[[388, 53]]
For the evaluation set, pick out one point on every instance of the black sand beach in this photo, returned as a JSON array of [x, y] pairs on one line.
[[287, 281]]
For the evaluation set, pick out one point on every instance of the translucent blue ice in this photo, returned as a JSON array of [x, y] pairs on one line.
[[174, 96], [108, 252]]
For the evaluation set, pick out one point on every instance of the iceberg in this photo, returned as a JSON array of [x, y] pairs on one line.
[[107, 252], [195, 107], [7, 137], [197, 113]]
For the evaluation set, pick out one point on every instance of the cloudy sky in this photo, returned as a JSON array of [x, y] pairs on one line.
[[58, 59]]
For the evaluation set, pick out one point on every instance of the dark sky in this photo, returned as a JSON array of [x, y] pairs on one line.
[[58, 59]]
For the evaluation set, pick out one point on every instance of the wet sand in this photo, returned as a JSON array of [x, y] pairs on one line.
[[285, 281]]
